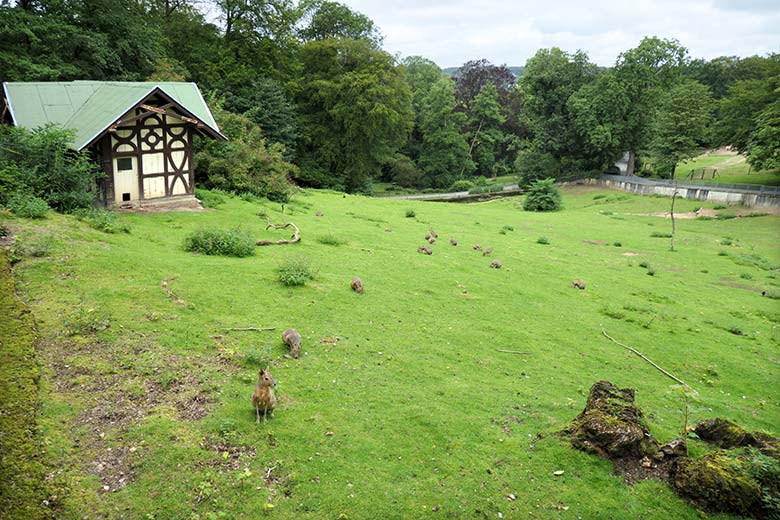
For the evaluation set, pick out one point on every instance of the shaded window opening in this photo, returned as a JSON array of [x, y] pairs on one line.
[[125, 197], [125, 163]]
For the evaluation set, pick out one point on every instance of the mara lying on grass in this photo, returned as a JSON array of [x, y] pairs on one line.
[[292, 339], [263, 397]]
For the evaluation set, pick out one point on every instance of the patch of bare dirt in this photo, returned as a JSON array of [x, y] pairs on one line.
[[116, 385], [230, 457], [629, 253], [738, 286], [595, 242]]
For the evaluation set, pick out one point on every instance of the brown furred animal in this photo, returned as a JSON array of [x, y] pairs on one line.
[[431, 240], [292, 339], [476, 247], [357, 285], [495, 264], [579, 284], [425, 249], [263, 397], [453, 241], [319, 214], [487, 251], [433, 233]]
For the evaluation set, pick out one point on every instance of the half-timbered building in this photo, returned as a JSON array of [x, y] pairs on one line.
[[140, 133]]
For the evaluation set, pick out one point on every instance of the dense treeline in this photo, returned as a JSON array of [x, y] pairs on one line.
[[313, 88]]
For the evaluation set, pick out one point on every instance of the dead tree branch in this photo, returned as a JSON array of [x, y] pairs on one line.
[[258, 329], [512, 352], [635, 351], [296, 237]]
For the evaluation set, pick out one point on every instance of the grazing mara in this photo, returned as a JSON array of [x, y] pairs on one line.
[[425, 250], [263, 397], [433, 233], [431, 240], [453, 241], [319, 213], [579, 284], [495, 264], [487, 251], [476, 247], [292, 339], [357, 285]]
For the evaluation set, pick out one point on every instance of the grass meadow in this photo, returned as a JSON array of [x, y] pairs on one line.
[[402, 405]]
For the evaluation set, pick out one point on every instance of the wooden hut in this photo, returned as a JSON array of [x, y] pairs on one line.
[[140, 133]]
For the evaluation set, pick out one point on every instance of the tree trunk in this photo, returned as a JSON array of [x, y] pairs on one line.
[[630, 165]]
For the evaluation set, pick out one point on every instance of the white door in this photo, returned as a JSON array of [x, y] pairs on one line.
[[125, 179]]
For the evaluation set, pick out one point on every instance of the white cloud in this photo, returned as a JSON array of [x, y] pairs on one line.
[[451, 33]]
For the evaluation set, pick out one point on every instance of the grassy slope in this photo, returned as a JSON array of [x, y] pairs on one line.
[[731, 168], [422, 409], [22, 475]]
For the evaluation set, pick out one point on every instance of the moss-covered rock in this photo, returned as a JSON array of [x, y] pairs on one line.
[[719, 483], [726, 434], [611, 425]]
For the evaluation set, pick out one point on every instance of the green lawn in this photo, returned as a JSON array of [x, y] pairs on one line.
[[731, 168], [401, 406]]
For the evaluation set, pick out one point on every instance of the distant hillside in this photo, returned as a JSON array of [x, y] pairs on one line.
[[517, 71]]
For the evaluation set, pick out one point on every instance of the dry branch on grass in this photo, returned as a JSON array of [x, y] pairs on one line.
[[635, 351], [296, 237], [256, 329], [174, 298]]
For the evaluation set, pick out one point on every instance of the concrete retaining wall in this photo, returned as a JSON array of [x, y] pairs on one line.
[[748, 198]]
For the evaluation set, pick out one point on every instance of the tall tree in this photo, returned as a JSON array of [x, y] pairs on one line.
[[644, 72], [355, 109], [485, 119], [681, 123], [550, 78], [444, 152], [322, 19]]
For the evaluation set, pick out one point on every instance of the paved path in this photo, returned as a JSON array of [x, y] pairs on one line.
[[454, 195]]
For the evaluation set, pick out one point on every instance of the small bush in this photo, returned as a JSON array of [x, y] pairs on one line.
[[543, 196], [599, 196], [746, 276], [658, 234], [719, 206], [756, 214], [704, 217], [722, 253], [543, 240], [27, 206], [505, 229], [330, 240], [721, 216], [650, 271], [486, 188], [210, 198], [295, 271], [410, 213], [462, 185], [618, 244], [102, 220], [221, 242], [726, 242], [644, 264]]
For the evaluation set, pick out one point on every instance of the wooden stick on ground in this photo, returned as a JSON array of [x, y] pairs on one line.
[[258, 329], [635, 351], [296, 237], [512, 351]]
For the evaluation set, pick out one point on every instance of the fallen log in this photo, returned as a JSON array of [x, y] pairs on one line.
[[296, 237]]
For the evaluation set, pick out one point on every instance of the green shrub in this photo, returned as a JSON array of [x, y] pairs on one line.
[[330, 240], [222, 242], [27, 206], [462, 185], [505, 229], [543, 196], [650, 271], [543, 240], [746, 276], [599, 196], [721, 216], [210, 198], [41, 162], [245, 163], [644, 264], [102, 220], [295, 271], [617, 244], [658, 234], [719, 206], [704, 217], [410, 213]]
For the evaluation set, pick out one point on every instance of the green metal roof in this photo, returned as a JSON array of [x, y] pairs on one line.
[[90, 107]]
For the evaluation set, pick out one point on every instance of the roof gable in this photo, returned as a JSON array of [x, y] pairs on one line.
[[90, 107]]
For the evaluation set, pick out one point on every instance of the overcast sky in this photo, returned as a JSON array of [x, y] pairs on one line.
[[451, 33]]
